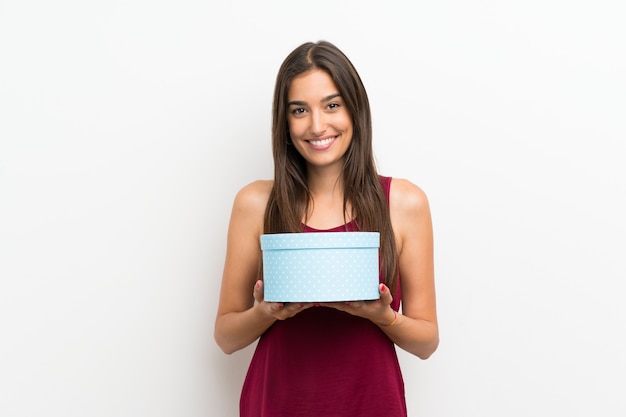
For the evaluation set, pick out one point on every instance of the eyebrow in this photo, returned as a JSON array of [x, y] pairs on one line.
[[303, 103]]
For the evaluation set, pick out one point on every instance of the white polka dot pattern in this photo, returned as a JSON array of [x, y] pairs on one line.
[[320, 266]]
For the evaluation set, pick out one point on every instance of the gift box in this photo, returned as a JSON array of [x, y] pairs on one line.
[[320, 266]]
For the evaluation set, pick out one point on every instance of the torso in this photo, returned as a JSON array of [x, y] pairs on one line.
[[323, 362], [327, 212]]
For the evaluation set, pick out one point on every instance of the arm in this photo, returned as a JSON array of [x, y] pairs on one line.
[[416, 329], [242, 315]]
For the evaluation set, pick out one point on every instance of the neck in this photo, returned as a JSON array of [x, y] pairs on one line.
[[327, 192], [325, 182]]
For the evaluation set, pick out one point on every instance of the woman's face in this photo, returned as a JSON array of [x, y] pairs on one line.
[[320, 125]]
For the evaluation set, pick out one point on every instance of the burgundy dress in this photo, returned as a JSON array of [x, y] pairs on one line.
[[325, 363]]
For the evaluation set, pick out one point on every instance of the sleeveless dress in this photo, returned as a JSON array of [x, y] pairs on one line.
[[325, 363]]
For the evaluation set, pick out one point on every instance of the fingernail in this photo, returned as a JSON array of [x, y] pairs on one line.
[[382, 288], [257, 285]]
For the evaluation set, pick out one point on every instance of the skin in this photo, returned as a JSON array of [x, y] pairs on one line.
[[321, 130]]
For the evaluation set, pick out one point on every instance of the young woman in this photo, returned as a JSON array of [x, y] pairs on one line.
[[327, 359]]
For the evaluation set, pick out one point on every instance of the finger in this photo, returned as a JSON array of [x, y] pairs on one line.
[[354, 304], [294, 308], [258, 291], [385, 295]]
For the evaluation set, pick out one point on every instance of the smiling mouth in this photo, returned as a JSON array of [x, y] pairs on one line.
[[322, 142]]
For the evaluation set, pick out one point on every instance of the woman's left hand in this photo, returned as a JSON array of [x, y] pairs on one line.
[[378, 311]]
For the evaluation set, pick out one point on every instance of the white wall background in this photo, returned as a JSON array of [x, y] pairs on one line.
[[126, 128]]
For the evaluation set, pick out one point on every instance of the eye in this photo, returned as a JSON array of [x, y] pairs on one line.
[[333, 106], [297, 110]]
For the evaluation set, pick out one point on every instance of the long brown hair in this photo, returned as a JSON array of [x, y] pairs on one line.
[[290, 197]]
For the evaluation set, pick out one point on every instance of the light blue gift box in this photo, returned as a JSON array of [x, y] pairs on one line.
[[320, 266]]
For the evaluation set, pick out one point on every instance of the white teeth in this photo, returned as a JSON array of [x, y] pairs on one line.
[[321, 142]]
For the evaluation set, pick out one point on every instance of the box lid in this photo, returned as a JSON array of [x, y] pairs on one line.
[[319, 240]]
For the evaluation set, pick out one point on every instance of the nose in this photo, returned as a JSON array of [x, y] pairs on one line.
[[318, 123]]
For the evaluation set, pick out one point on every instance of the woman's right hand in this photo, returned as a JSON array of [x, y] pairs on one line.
[[279, 311]]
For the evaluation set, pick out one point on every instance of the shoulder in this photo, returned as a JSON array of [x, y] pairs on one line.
[[409, 210], [255, 193], [251, 200], [404, 196]]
